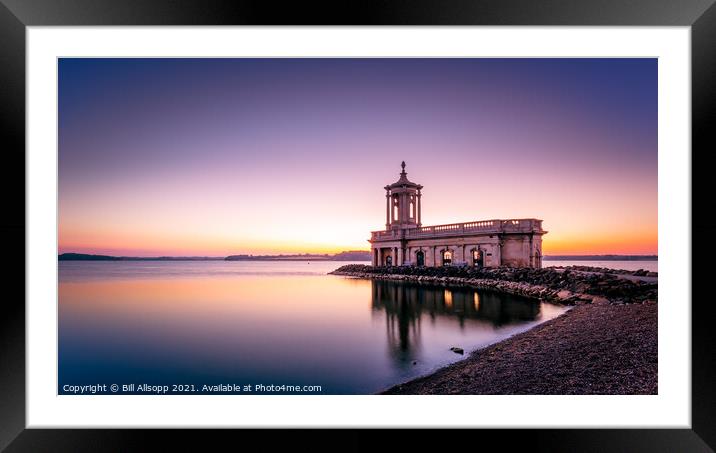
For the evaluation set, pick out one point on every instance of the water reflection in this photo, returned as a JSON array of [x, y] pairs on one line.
[[249, 323], [406, 305]]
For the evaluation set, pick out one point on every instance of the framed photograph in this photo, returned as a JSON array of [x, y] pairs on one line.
[[444, 215]]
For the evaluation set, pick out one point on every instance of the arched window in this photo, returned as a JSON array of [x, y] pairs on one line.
[[477, 260], [447, 258]]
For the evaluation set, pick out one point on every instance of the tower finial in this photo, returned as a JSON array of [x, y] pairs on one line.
[[402, 165]]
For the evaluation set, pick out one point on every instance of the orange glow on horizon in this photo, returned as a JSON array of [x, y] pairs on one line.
[[606, 237], [629, 243], [625, 244]]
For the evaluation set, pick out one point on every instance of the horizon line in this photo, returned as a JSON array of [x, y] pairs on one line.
[[326, 254]]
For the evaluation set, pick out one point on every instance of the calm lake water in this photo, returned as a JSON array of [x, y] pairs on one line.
[[271, 323], [651, 266]]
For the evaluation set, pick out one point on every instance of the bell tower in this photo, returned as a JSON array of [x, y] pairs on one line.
[[402, 203]]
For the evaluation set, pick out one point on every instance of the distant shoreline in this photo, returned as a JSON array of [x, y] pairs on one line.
[[342, 256]]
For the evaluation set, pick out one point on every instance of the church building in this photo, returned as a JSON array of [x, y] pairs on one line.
[[490, 243]]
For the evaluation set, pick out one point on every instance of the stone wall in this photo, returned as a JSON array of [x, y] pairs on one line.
[[517, 250]]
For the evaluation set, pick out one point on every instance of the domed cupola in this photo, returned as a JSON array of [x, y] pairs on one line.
[[402, 203]]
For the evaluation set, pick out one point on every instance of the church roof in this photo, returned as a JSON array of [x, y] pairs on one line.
[[403, 181]]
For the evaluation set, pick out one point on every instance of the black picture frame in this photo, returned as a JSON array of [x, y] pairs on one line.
[[16, 15]]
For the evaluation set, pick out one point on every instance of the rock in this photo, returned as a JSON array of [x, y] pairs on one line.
[[457, 350], [567, 286], [598, 300]]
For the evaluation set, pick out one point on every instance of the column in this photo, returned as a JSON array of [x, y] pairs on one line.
[[387, 209], [392, 253], [532, 251], [406, 207], [419, 221], [401, 207], [400, 256]]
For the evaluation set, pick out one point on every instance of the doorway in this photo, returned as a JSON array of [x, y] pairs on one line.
[[420, 258]]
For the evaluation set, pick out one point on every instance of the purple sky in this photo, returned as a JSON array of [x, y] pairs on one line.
[[218, 156]]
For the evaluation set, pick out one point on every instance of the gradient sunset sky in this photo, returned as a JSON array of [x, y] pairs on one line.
[[224, 156]]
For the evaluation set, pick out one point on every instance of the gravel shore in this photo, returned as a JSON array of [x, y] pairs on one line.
[[591, 349]]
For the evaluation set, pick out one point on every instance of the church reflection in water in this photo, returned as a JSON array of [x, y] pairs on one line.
[[406, 306]]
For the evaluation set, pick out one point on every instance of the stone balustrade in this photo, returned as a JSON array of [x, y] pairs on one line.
[[452, 229]]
